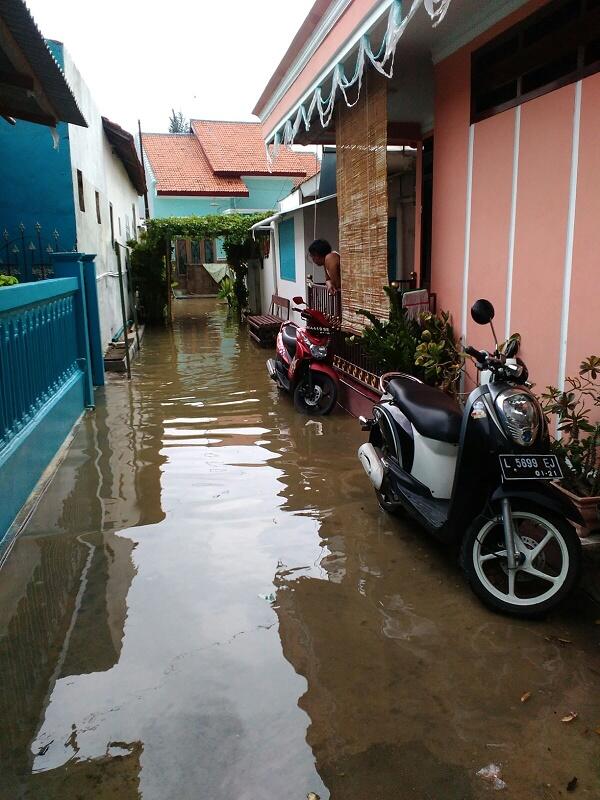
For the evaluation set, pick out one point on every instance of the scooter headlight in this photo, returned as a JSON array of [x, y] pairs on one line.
[[520, 416], [318, 350]]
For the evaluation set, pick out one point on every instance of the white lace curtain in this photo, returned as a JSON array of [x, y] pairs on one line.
[[382, 60]]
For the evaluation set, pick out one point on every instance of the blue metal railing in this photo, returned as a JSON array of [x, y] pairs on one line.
[[38, 349]]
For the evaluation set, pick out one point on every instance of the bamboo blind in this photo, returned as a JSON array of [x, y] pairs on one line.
[[361, 143]]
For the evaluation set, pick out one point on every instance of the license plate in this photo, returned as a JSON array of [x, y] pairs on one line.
[[530, 468]]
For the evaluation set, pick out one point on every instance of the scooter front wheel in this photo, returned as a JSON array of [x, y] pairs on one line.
[[318, 399], [548, 568]]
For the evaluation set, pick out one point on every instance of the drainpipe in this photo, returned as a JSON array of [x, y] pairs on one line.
[[146, 206], [275, 286]]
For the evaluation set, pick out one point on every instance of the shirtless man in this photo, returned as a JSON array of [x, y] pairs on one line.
[[322, 255]]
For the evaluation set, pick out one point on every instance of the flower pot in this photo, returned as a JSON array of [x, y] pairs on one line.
[[588, 507]]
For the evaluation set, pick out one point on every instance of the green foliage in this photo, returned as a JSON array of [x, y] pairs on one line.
[[392, 343], [149, 278], [7, 280], [436, 354], [227, 291], [178, 123], [425, 347], [577, 447], [149, 254]]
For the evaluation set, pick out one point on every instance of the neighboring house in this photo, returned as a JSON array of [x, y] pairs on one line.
[[307, 213], [499, 102], [33, 87], [217, 168], [77, 193]]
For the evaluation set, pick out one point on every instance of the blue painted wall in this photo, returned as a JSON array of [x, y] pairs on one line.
[[265, 193], [287, 250], [35, 179]]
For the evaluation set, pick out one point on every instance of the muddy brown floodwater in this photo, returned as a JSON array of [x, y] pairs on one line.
[[208, 604]]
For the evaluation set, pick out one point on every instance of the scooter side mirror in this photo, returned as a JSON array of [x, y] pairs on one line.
[[482, 312], [298, 300]]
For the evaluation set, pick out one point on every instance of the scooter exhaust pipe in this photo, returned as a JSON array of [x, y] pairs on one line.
[[271, 368], [372, 464]]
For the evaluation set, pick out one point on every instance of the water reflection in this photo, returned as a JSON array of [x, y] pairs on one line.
[[208, 604]]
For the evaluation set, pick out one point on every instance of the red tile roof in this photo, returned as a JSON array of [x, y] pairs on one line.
[[212, 159], [180, 167], [238, 148]]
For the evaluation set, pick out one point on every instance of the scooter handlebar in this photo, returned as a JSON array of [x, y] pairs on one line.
[[478, 355]]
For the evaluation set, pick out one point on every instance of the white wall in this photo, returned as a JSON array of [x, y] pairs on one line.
[[327, 228], [103, 172]]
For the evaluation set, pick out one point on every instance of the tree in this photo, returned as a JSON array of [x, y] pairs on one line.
[[178, 123]]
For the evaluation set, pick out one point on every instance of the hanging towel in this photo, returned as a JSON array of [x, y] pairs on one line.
[[415, 303], [217, 271]]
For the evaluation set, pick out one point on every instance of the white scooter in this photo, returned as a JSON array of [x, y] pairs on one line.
[[481, 477]]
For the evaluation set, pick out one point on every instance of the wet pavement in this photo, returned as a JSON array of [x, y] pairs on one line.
[[208, 603]]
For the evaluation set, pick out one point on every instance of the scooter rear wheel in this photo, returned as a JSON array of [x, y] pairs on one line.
[[318, 400], [551, 553]]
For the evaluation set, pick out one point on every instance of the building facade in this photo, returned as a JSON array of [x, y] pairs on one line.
[[499, 103], [76, 190]]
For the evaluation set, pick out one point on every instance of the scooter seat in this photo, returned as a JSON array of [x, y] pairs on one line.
[[288, 335], [434, 414]]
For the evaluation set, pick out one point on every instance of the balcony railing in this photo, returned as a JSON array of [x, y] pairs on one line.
[[321, 299], [349, 355]]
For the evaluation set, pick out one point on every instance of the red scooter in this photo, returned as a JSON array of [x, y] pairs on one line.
[[302, 365]]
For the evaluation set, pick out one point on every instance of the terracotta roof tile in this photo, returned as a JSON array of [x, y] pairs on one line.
[[211, 159], [180, 167], [238, 148]]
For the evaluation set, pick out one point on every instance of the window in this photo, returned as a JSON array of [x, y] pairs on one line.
[[209, 251], [287, 250], [119, 222], [555, 46], [221, 254], [80, 190], [112, 224], [98, 217], [133, 217]]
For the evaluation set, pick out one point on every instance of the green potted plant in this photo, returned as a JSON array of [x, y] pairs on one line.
[[578, 439], [424, 347]]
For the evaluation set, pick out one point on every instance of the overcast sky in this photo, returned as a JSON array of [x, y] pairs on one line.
[[208, 58]]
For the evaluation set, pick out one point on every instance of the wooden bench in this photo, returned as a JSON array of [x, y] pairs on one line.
[[263, 328]]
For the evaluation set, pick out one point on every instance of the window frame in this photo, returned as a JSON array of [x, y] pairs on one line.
[[287, 256], [577, 39], [80, 190]]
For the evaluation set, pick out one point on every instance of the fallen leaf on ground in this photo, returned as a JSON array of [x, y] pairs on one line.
[[597, 730], [558, 639], [569, 717], [572, 785], [525, 697], [312, 796]]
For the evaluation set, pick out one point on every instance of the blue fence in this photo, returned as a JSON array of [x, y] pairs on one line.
[[38, 349], [45, 377]]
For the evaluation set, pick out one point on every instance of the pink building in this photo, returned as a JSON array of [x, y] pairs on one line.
[[495, 109]]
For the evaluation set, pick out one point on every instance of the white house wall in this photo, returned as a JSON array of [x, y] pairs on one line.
[[304, 227], [103, 172]]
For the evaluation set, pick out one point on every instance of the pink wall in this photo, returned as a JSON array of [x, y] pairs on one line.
[[451, 138], [493, 147], [541, 215], [584, 318], [541, 229], [333, 42]]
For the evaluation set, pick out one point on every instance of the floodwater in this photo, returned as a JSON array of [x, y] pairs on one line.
[[208, 604]]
